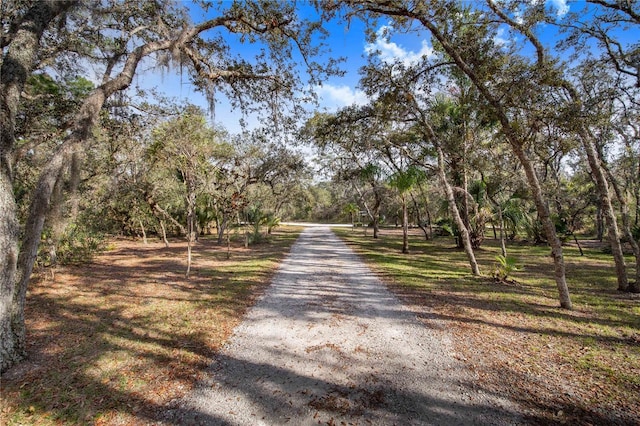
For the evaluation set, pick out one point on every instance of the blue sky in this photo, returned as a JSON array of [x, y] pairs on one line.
[[345, 40]]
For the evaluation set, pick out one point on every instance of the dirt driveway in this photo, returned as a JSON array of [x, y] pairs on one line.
[[329, 344]]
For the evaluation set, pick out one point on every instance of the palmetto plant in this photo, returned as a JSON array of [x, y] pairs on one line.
[[516, 216], [505, 267], [271, 221]]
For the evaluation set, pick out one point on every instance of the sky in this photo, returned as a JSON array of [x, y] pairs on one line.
[[345, 40]]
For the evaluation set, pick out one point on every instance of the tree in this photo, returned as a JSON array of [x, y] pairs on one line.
[[350, 144], [187, 145], [369, 176], [457, 128], [466, 38], [116, 38], [403, 181], [351, 210], [403, 101], [575, 105], [19, 52], [421, 200], [506, 191], [42, 120], [460, 119]]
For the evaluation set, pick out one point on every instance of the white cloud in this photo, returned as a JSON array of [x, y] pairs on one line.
[[500, 39], [561, 6], [517, 15], [390, 52], [340, 96]]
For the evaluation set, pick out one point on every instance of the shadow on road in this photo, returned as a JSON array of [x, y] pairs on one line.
[[328, 343]]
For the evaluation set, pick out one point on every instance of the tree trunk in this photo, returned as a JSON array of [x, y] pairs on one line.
[[453, 209], [516, 144], [419, 217], [39, 207], [55, 220], [376, 213], [164, 234], [222, 226], [633, 287], [637, 197], [144, 232], [155, 208], [503, 246], [189, 243], [405, 225], [599, 222], [548, 226], [18, 62], [9, 235], [465, 192], [575, 238], [41, 198], [605, 199], [191, 219], [451, 198]]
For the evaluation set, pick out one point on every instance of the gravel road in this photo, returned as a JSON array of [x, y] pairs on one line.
[[328, 344]]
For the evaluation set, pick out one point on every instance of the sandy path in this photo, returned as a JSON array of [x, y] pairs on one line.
[[329, 344]]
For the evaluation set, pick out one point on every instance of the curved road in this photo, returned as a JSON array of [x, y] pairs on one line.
[[329, 344]]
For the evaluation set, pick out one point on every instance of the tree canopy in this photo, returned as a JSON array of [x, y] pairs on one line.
[[496, 126]]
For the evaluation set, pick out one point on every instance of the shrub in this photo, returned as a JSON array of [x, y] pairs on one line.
[[505, 267], [75, 246]]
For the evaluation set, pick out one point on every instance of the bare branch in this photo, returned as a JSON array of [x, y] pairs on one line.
[[625, 6]]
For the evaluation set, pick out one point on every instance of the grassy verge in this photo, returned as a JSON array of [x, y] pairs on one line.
[[116, 341], [574, 367]]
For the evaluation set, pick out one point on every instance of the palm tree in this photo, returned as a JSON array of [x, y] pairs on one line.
[[351, 209], [403, 181]]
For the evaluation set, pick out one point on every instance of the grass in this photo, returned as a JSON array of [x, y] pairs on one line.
[[116, 341], [574, 367]]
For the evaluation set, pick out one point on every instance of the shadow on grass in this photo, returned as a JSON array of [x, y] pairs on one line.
[[117, 340], [74, 380], [432, 267], [588, 374]]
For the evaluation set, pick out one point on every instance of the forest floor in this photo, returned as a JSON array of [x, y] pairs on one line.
[[123, 338]]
